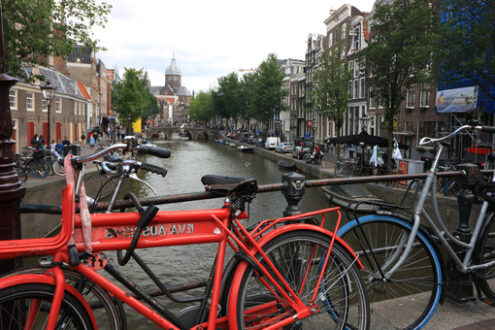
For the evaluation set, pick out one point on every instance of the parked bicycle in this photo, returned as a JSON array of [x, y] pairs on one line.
[[286, 272], [402, 258], [345, 168], [32, 162]]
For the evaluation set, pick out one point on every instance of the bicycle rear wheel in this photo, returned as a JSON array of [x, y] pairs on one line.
[[109, 314], [299, 255], [410, 296], [17, 302], [486, 253], [39, 169]]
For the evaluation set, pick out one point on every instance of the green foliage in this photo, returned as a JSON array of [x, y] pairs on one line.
[[267, 93], [35, 29], [229, 96], [331, 85], [467, 47], [399, 53], [201, 108], [132, 97]]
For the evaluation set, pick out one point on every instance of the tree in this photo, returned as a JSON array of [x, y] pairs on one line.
[[133, 99], [399, 54], [201, 108], [467, 48], [35, 29], [230, 91], [331, 86], [268, 94]]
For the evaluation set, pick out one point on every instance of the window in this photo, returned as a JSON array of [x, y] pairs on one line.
[[44, 105], [361, 88], [355, 69], [426, 128], [29, 101], [330, 39], [58, 105], [351, 67], [356, 89], [410, 98], [357, 39], [350, 89], [424, 96], [75, 108], [13, 99]]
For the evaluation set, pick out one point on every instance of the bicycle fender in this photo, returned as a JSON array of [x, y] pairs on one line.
[[304, 226], [50, 280]]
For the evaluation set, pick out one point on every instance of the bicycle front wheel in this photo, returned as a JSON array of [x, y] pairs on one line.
[[486, 253], [58, 169], [40, 169], [27, 306], [415, 287], [109, 314], [299, 256]]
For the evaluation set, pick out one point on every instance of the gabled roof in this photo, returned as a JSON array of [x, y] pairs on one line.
[[62, 83], [83, 90]]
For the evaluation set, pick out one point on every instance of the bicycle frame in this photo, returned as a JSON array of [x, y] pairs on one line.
[[445, 237], [166, 229]]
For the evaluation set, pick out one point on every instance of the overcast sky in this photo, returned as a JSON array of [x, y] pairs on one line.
[[209, 38]]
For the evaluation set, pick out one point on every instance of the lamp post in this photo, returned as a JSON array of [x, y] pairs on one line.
[[11, 189], [48, 93]]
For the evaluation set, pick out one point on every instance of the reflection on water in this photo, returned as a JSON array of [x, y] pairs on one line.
[[189, 161]]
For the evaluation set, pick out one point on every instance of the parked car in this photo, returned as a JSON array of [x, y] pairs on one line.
[[299, 152], [284, 147], [272, 142]]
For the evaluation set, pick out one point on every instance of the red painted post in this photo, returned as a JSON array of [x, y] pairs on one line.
[[11, 190]]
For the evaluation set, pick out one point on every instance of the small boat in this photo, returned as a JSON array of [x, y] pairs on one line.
[[232, 144], [220, 141], [245, 148], [287, 165], [354, 197]]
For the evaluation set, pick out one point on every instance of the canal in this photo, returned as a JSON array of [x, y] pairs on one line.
[[189, 161]]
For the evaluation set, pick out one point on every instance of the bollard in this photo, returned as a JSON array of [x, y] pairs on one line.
[[293, 190], [459, 285]]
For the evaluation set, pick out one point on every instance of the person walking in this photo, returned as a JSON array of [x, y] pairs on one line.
[[91, 140]]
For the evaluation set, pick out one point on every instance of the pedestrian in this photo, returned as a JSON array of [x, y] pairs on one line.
[[34, 141], [91, 140], [66, 141], [53, 147], [83, 138]]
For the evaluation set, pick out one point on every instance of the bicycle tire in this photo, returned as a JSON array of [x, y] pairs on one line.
[[485, 252], [110, 315], [339, 169], [21, 172], [15, 302], [417, 282], [58, 169], [342, 299], [39, 169]]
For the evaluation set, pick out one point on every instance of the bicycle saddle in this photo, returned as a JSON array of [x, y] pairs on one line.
[[225, 185]]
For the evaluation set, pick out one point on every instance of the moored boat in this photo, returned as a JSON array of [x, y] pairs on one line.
[[287, 165], [245, 148]]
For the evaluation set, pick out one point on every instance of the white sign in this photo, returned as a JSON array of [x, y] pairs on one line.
[[457, 100]]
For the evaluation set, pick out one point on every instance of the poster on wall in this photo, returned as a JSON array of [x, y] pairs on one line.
[[457, 99]]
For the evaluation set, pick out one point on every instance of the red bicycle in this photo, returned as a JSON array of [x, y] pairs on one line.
[[288, 272]]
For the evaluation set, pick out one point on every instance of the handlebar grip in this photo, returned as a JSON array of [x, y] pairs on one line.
[[155, 151], [488, 129], [153, 169]]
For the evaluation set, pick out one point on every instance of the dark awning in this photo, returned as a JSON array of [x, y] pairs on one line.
[[362, 137]]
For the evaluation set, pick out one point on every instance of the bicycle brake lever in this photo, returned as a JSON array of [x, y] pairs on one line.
[[134, 177]]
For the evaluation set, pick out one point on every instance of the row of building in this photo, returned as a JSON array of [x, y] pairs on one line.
[[419, 115], [82, 99]]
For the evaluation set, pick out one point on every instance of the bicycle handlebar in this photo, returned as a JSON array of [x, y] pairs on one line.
[[154, 151], [473, 125]]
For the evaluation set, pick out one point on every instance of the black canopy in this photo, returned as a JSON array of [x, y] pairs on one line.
[[362, 137]]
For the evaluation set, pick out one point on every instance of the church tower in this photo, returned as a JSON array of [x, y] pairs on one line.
[[173, 78]]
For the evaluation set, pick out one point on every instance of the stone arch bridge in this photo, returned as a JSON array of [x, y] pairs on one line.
[[166, 133]]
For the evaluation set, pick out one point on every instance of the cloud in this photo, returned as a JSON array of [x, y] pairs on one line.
[[209, 38]]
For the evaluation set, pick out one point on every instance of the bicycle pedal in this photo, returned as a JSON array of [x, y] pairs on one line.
[[488, 301]]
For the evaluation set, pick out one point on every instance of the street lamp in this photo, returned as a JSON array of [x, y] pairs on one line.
[[48, 93]]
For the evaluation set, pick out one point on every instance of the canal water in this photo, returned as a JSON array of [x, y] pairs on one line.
[[189, 161]]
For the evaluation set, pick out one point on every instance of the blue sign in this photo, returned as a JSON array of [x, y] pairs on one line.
[[308, 134]]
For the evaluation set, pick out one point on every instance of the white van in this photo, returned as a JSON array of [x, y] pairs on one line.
[[272, 142]]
